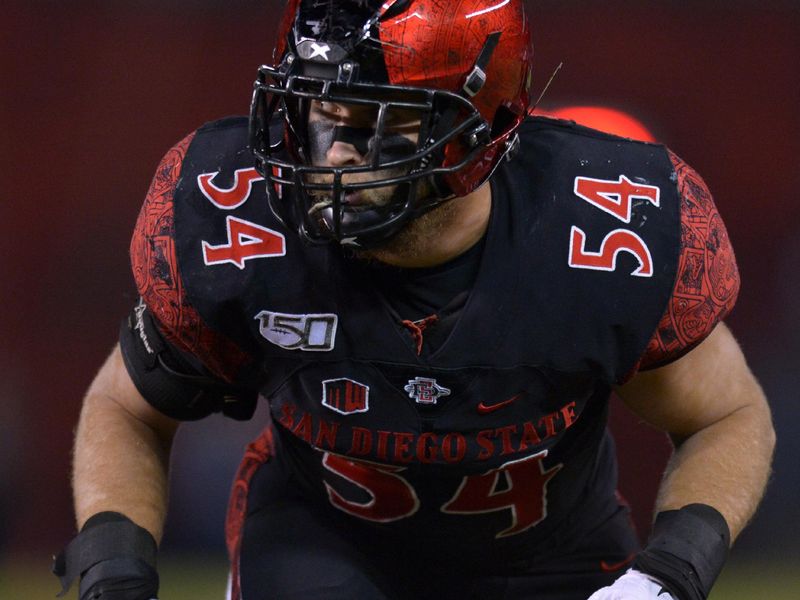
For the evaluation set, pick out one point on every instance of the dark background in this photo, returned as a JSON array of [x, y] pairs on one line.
[[94, 92]]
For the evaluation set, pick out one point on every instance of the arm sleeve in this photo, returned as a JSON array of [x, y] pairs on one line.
[[179, 364], [707, 281]]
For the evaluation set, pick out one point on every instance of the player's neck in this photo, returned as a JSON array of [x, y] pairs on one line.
[[440, 235]]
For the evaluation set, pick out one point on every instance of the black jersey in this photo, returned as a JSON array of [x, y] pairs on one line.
[[491, 432]]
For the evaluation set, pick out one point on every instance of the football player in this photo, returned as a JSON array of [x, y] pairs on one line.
[[436, 293]]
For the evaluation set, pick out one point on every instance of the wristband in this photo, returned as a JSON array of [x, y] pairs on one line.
[[105, 536], [686, 551]]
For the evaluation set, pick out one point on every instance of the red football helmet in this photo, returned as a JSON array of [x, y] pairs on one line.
[[458, 71]]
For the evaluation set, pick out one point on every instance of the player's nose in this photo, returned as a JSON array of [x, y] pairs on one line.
[[343, 154]]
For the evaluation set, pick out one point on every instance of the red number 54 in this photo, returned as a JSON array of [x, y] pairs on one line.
[[392, 497], [615, 198]]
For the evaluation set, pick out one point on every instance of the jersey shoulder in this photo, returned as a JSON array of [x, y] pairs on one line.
[[707, 282], [706, 279], [154, 249], [595, 220], [536, 124]]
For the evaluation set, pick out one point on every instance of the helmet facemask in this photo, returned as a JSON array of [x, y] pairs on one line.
[[401, 133]]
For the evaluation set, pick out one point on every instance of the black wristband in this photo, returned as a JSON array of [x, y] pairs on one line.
[[105, 536], [687, 550]]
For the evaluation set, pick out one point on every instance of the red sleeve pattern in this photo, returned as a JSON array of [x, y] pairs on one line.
[[158, 280], [707, 280]]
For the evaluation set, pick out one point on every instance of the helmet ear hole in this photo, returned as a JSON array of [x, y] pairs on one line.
[[504, 120]]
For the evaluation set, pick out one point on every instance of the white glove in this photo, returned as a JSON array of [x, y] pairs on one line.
[[634, 585]]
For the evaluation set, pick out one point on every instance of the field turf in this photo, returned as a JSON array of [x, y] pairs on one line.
[[205, 579]]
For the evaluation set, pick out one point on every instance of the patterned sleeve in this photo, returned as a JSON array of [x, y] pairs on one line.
[[158, 278], [707, 281]]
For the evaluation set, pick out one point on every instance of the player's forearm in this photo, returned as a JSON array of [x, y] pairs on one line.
[[120, 464], [725, 465]]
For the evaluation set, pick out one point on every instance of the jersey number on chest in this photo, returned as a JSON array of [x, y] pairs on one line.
[[519, 487]]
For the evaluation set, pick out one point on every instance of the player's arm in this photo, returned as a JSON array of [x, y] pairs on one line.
[[121, 442], [719, 420], [169, 367], [127, 423], [119, 482]]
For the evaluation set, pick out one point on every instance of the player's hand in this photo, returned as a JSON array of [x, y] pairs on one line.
[[633, 586], [119, 579]]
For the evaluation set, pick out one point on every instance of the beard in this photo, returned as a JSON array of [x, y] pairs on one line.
[[414, 240]]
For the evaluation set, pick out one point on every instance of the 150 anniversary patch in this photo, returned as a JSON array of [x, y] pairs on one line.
[[310, 333]]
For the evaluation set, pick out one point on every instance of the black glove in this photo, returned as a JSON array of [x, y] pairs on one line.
[[114, 557]]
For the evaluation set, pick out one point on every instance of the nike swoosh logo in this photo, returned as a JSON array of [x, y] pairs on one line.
[[483, 409], [611, 567]]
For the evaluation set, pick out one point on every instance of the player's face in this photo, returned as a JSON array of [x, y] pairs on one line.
[[343, 135]]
